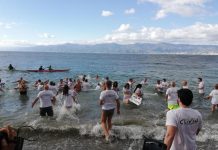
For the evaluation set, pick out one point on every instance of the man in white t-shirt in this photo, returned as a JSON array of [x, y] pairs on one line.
[[171, 96], [109, 100], [214, 98], [200, 86], [85, 85], [46, 98], [183, 124]]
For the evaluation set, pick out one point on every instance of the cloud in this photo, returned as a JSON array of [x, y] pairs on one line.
[[180, 7], [197, 33], [106, 13], [123, 28], [130, 11], [7, 25], [46, 35]]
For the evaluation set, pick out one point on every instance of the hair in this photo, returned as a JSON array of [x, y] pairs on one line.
[[138, 86], [185, 96], [86, 80], [46, 87], [52, 83], [108, 84], [164, 80], [107, 78], [216, 86], [115, 84], [200, 79], [126, 85], [158, 81], [173, 83], [66, 90], [184, 82]]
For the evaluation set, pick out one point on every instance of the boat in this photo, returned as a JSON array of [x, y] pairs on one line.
[[53, 70]]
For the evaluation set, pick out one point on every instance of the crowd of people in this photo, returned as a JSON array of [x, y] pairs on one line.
[[181, 120]]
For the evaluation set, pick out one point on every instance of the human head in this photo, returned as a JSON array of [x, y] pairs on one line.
[[199, 79], [126, 86], [185, 96], [107, 78], [138, 86], [173, 83], [216, 86], [46, 87], [184, 82], [115, 84], [86, 80], [164, 80], [158, 81], [108, 84]]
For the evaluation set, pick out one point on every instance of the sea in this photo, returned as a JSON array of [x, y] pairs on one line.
[[81, 130]]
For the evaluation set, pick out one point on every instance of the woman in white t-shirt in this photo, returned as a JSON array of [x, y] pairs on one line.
[[68, 97], [126, 93], [138, 90], [214, 98]]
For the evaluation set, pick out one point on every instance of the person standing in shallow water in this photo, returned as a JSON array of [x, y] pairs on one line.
[[214, 98], [109, 100], [183, 124]]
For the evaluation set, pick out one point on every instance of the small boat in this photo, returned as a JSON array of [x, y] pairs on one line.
[[53, 70]]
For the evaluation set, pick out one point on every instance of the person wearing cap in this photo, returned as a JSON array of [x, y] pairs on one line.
[[183, 124], [46, 98]]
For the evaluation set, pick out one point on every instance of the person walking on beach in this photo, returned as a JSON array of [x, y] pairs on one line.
[[183, 124], [214, 98], [109, 100], [171, 96], [46, 98]]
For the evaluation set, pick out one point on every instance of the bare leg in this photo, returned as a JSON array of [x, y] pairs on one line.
[[213, 108], [104, 125]]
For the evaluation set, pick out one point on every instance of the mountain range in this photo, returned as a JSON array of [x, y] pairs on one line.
[[113, 48]]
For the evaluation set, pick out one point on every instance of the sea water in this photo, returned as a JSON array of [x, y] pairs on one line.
[[81, 129]]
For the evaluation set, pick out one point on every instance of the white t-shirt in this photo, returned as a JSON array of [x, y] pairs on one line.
[[40, 87], [126, 96], [143, 82], [98, 87], [68, 100], [109, 98], [54, 89], [172, 95], [45, 98], [185, 87], [201, 87], [187, 121], [214, 94], [85, 86]]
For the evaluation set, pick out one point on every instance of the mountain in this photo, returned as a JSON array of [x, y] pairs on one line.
[[113, 48]]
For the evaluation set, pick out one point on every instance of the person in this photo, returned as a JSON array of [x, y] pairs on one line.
[[20, 80], [53, 87], [41, 68], [97, 77], [126, 93], [159, 87], [7, 135], [78, 85], [85, 85], [1, 85], [10, 67], [171, 96], [165, 85], [61, 85], [200, 86], [144, 82], [183, 124], [98, 87], [46, 98], [138, 90], [184, 84], [68, 96], [214, 98], [50, 68], [115, 87], [22, 87], [109, 100], [70, 83], [131, 82]]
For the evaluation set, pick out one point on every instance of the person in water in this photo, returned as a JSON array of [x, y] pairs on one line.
[[46, 98], [138, 90], [183, 124], [109, 100], [50, 68], [22, 87], [126, 93], [10, 67], [41, 68], [214, 98], [115, 87], [172, 96]]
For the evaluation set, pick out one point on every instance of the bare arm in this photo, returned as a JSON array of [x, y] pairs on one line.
[[171, 131], [118, 106], [34, 102]]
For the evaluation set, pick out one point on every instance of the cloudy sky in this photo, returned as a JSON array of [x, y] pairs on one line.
[[44, 22]]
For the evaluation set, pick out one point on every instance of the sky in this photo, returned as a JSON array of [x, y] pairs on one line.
[[49, 22]]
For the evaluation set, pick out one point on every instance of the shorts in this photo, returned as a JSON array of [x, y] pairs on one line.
[[107, 114], [46, 110], [173, 106], [23, 92]]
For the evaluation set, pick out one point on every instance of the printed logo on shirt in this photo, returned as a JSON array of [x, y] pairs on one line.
[[189, 121]]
